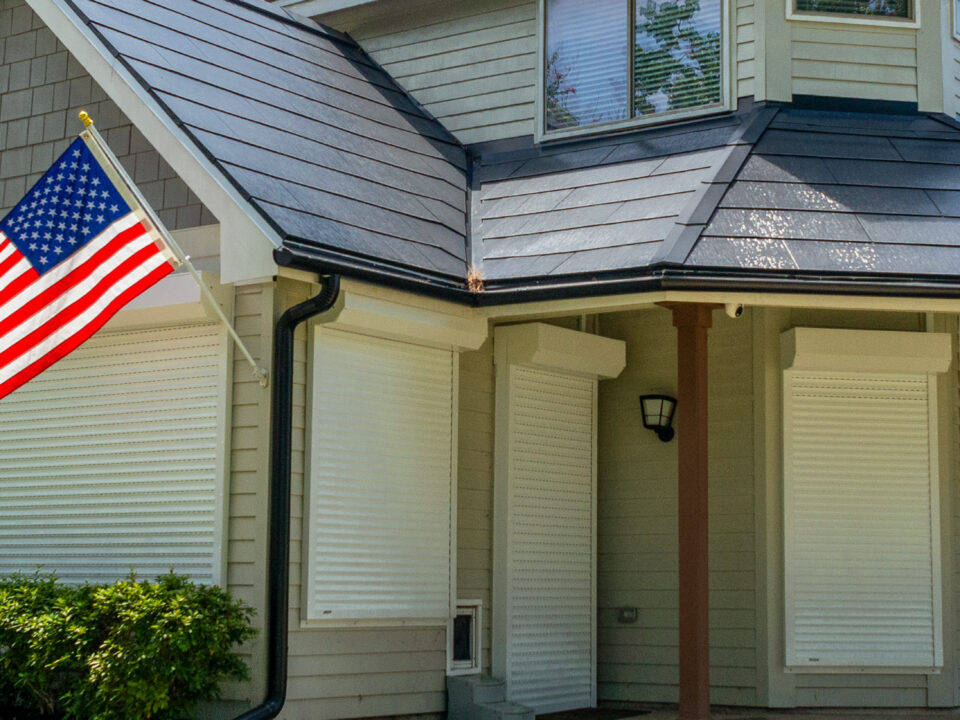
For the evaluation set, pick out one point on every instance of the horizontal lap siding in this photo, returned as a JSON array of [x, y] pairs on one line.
[[744, 47], [637, 522], [854, 61], [475, 486], [249, 468], [473, 65]]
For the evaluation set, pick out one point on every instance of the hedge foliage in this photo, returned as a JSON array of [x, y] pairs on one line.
[[134, 649]]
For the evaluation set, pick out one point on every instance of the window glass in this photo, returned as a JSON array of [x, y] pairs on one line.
[[602, 65], [676, 60], [886, 8], [586, 62]]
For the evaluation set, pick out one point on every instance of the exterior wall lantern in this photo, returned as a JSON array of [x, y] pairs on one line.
[[658, 414]]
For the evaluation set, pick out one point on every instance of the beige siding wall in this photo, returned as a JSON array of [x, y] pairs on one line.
[[472, 64], [475, 485], [855, 61], [744, 47], [638, 517], [248, 472]]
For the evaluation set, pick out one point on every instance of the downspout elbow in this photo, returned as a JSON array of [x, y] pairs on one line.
[[281, 431]]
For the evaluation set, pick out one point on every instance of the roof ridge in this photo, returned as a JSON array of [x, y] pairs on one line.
[[678, 245], [289, 17]]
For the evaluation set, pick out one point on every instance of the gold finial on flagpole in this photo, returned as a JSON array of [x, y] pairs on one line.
[[85, 118]]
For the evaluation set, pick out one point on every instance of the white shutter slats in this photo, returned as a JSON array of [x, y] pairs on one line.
[[860, 529], [550, 556], [108, 460], [380, 479]]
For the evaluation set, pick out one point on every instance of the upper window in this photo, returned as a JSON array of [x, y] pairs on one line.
[[882, 8], [618, 60], [855, 11]]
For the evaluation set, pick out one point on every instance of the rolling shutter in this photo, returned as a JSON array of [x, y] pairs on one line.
[[109, 459], [551, 548], [861, 530], [381, 468]]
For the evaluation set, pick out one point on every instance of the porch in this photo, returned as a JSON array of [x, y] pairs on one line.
[[638, 562]]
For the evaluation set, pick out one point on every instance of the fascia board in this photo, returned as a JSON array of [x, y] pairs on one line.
[[247, 249], [311, 8]]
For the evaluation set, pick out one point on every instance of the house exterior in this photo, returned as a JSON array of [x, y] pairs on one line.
[[536, 213]]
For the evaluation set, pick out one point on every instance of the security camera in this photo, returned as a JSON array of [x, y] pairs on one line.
[[733, 309]]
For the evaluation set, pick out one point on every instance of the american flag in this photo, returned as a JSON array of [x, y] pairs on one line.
[[72, 253]]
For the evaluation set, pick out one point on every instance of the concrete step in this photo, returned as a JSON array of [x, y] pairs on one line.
[[505, 711], [482, 697], [475, 689]]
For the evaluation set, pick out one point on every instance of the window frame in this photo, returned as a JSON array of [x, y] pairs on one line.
[[911, 22], [955, 20], [727, 80]]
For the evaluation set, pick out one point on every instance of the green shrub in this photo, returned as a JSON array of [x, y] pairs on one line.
[[134, 649]]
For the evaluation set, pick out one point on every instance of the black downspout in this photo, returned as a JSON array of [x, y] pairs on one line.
[[278, 561]]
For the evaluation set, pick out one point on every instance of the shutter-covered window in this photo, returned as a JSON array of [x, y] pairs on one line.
[[604, 62], [109, 459], [861, 521], [380, 490]]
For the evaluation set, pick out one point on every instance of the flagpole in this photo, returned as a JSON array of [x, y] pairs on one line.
[[262, 375]]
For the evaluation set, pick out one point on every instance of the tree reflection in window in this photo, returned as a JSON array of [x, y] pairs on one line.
[[676, 63], [589, 74], [887, 8]]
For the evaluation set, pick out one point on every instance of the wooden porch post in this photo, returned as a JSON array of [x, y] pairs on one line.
[[692, 321]]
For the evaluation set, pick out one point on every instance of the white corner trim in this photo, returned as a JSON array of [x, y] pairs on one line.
[[865, 351], [555, 348], [186, 159], [394, 315]]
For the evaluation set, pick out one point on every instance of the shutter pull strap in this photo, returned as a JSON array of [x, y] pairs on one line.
[[261, 375]]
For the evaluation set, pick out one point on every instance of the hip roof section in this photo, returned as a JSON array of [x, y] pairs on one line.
[[833, 192], [332, 152]]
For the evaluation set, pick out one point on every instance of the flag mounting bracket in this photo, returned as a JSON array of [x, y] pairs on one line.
[[261, 375]]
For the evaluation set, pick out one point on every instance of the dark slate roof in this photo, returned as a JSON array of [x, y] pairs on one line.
[[852, 193], [598, 206], [334, 154], [357, 177]]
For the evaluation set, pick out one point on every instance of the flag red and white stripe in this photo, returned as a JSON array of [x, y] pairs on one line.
[[45, 313]]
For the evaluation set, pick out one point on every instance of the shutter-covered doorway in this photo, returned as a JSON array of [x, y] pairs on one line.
[[551, 548], [545, 512]]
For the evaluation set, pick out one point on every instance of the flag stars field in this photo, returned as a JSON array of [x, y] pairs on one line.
[[72, 253]]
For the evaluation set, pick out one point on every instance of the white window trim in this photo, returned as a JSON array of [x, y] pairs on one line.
[[727, 81], [887, 22], [850, 351], [463, 667]]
